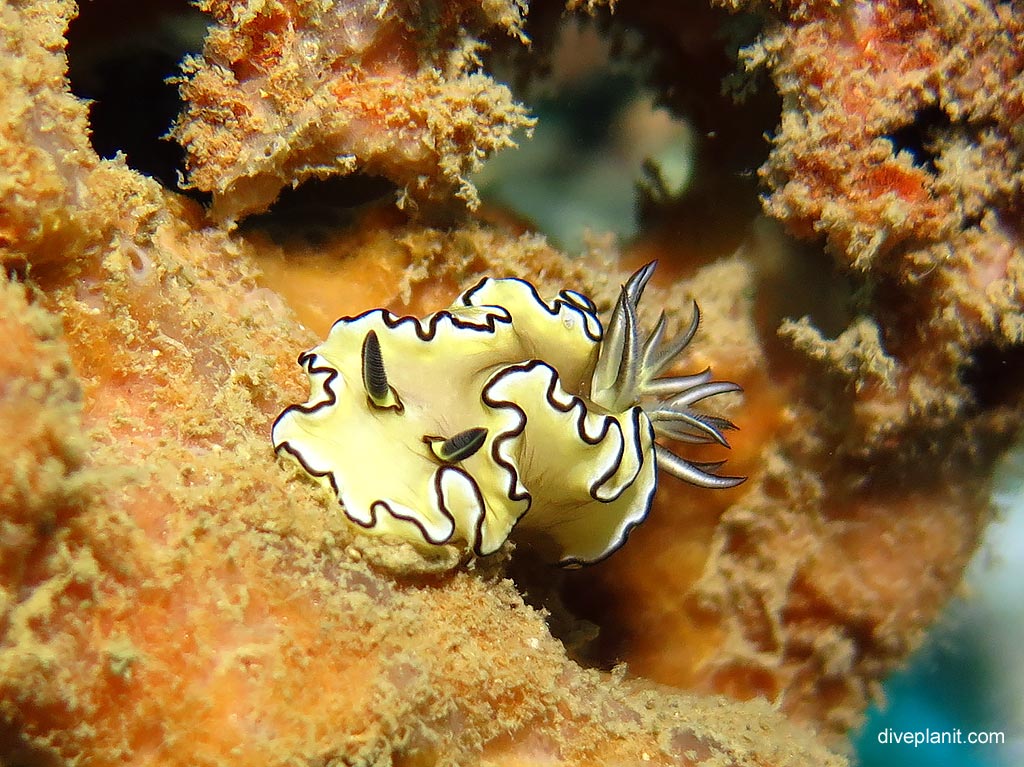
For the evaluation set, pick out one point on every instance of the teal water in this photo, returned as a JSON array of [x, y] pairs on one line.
[[969, 675]]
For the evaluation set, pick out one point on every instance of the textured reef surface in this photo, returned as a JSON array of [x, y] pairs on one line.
[[171, 593]]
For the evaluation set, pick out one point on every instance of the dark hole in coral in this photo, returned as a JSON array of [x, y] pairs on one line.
[[120, 55], [971, 221], [697, 67], [16, 751], [317, 208], [995, 374], [555, 593], [918, 136]]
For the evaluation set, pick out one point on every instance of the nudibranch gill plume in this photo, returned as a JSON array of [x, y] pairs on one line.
[[505, 410]]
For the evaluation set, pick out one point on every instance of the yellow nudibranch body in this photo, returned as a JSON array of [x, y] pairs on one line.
[[503, 411]]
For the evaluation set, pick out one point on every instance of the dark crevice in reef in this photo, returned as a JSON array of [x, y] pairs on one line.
[[994, 375], [120, 56], [917, 137], [15, 750], [548, 589], [698, 76], [316, 209]]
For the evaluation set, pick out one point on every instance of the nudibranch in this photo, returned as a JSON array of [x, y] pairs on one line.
[[503, 411]]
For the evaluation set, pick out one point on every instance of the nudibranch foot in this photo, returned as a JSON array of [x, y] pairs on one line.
[[505, 410]]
